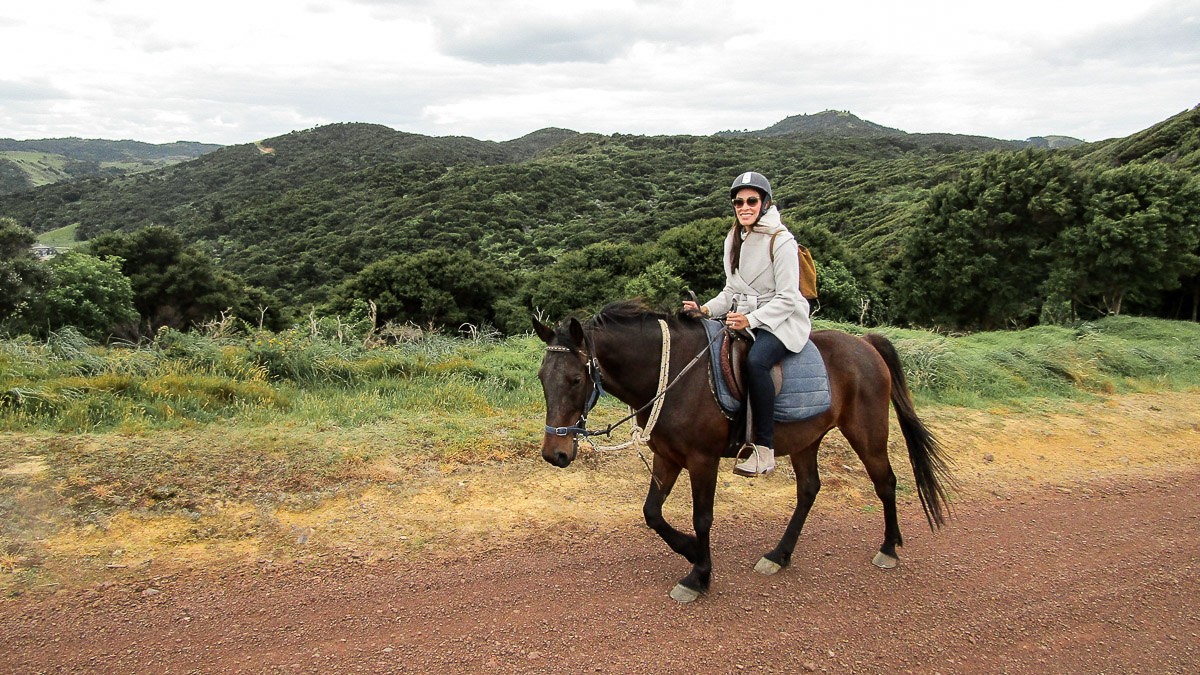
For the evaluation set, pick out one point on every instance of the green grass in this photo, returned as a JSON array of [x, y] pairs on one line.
[[1115, 354], [42, 168], [63, 237], [190, 417], [68, 385]]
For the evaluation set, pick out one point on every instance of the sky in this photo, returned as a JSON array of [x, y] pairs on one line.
[[238, 71]]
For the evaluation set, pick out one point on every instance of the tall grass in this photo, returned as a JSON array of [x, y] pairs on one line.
[[305, 376], [1115, 354], [269, 416]]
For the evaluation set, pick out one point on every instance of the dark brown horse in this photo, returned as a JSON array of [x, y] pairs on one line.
[[620, 347]]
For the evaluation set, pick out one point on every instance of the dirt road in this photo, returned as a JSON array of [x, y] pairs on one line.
[[1093, 570]]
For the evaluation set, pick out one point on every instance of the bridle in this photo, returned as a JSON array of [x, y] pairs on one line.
[[580, 427]]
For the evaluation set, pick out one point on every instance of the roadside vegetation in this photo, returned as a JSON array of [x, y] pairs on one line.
[[247, 414]]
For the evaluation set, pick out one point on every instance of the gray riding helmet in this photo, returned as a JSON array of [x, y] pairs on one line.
[[753, 179]]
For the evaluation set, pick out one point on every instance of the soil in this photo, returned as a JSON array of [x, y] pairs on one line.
[[1072, 548]]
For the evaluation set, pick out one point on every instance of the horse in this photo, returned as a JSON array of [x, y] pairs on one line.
[[618, 351]]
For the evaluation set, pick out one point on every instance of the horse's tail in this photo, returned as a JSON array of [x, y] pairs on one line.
[[931, 466]]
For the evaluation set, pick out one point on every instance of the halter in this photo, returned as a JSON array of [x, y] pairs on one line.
[[580, 427]]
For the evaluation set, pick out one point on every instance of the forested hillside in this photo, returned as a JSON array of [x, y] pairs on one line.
[[338, 215]]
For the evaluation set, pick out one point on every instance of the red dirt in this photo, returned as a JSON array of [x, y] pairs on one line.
[[1100, 578]]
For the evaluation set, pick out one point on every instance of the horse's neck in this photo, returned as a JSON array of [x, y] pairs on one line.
[[629, 361]]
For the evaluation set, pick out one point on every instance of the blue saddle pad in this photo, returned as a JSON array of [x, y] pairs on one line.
[[805, 392]]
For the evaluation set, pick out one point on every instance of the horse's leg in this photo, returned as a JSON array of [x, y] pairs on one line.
[[703, 473], [808, 484], [693, 547], [663, 478], [869, 437]]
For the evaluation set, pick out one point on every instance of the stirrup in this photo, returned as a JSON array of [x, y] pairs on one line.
[[760, 462]]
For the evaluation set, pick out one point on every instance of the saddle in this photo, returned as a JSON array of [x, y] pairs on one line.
[[734, 346], [801, 380]]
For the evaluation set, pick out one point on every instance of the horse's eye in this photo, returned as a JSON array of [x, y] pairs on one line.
[[577, 379]]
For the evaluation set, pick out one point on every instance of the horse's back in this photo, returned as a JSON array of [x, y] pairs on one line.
[[853, 364]]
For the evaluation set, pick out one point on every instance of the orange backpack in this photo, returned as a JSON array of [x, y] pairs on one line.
[[808, 269]]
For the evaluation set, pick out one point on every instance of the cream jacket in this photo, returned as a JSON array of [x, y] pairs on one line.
[[767, 293]]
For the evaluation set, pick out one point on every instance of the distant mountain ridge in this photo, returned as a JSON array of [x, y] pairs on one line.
[[329, 200], [846, 124], [31, 163], [100, 150]]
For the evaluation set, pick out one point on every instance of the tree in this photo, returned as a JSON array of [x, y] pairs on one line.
[[86, 292], [1139, 236], [658, 285], [21, 275], [173, 284], [435, 287], [694, 252], [980, 250], [846, 287], [588, 278]]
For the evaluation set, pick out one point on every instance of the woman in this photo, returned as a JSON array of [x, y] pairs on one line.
[[761, 294]]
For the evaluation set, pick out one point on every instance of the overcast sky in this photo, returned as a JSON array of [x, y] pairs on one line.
[[235, 71]]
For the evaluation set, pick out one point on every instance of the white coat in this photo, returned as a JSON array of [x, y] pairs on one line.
[[767, 293]]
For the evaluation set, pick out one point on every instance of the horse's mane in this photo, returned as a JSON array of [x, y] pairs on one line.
[[637, 311]]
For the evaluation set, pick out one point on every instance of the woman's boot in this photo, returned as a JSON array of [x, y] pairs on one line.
[[759, 463]]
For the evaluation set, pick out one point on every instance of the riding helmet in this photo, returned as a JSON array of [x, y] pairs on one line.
[[752, 179]]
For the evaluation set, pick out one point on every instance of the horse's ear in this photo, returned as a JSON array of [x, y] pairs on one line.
[[543, 331], [577, 333]]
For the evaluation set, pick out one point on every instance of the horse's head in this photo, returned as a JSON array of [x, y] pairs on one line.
[[569, 387]]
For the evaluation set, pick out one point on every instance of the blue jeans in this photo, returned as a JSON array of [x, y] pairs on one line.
[[766, 351]]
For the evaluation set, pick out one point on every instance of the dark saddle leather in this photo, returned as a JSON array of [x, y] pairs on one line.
[[734, 347]]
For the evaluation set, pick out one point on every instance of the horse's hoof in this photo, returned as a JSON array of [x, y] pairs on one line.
[[885, 561], [767, 567], [682, 593]]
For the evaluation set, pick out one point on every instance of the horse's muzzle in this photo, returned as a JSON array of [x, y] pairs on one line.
[[559, 459], [558, 450]]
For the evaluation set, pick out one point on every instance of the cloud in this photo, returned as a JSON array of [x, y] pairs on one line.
[[1165, 36], [230, 71], [582, 31], [29, 90]]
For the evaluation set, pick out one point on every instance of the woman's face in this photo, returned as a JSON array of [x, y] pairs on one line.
[[750, 204]]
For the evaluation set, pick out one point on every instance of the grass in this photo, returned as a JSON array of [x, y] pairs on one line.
[[192, 418], [246, 438], [1113, 355], [42, 168], [63, 237]]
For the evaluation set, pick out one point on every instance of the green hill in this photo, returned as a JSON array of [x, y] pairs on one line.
[[840, 123], [63, 237], [1174, 141], [33, 163], [299, 213]]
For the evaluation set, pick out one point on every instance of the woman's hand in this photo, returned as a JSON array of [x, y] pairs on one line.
[[689, 306], [737, 321]]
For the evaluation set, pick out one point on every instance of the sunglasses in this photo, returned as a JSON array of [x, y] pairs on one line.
[[752, 201]]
